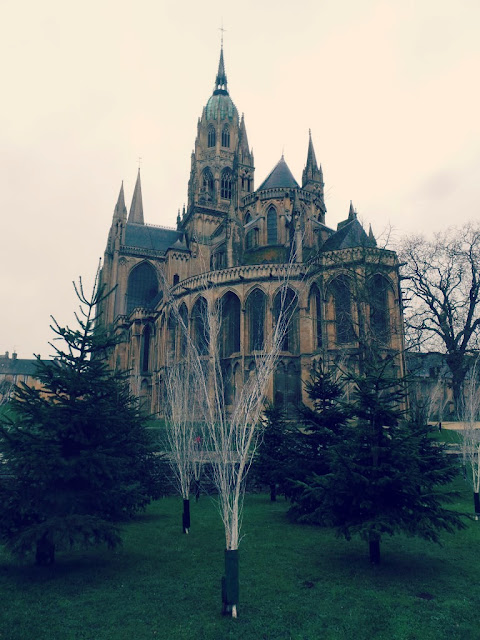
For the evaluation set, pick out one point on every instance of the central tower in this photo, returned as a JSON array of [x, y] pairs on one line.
[[222, 165]]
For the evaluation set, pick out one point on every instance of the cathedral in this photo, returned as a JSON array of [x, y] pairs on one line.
[[342, 289]]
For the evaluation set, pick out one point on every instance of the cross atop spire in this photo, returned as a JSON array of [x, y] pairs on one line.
[[223, 31]]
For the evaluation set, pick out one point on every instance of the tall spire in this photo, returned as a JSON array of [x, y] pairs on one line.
[[311, 159], [311, 173], [136, 208], [120, 208], [221, 79]]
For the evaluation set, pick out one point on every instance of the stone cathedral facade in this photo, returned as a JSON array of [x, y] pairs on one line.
[[343, 290]]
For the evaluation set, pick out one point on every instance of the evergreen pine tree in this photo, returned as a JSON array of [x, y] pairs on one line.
[[385, 475], [77, 453], [275, 456], [321, 425]]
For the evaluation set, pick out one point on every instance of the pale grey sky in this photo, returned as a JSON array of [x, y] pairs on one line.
[[389, 89]]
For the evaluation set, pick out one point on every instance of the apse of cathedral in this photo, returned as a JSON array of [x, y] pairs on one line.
[[343, 290]]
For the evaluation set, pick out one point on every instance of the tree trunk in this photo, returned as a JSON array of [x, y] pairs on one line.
[[45, 552], [374, 546], [456, 364], [186, 516], [476, 503], [273, 492], [230, 584]]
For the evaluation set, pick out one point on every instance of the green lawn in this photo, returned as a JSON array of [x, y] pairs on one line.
[[297, 582]]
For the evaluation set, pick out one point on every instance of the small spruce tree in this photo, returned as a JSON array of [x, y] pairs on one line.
[[321, 425], [77, 453], [385, 475], [275, 455]]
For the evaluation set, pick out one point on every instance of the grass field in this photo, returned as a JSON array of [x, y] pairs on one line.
[[297, 582]]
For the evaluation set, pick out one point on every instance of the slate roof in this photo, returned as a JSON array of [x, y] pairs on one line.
[[18, 366], [147, 237], [348, 236], [279, 177], [427, 365]]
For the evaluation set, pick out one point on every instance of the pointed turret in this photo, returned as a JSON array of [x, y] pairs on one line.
[[352, 214], [136, 209], [371, 237]]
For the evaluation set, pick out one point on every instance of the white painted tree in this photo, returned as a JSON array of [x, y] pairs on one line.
[[183, 410], [183, 433], [231, 434]]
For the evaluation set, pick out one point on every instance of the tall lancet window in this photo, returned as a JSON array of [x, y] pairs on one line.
[[226, 185], [272, 235], [340, 289], [200, 326], [211, 137], [256, 306], [230, 324], [226, 137], [379, 313]]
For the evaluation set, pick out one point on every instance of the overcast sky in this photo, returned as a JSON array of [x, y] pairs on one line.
[[389, 89]]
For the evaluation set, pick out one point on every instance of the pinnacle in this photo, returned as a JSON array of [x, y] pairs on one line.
[[136, 208], [352, 214]]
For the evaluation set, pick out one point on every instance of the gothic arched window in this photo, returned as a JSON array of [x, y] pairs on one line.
[[285, 315], [211, 137], [142, 288], [256, 306], [226, 185], [200, 326], [315, 302], [226, 137], [272, 232], [247, 218], [342, 301], [208, 183], [230, 325], [379, 315]]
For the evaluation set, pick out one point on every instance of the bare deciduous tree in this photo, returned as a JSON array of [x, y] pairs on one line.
[[442, 285], [229, 431]]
